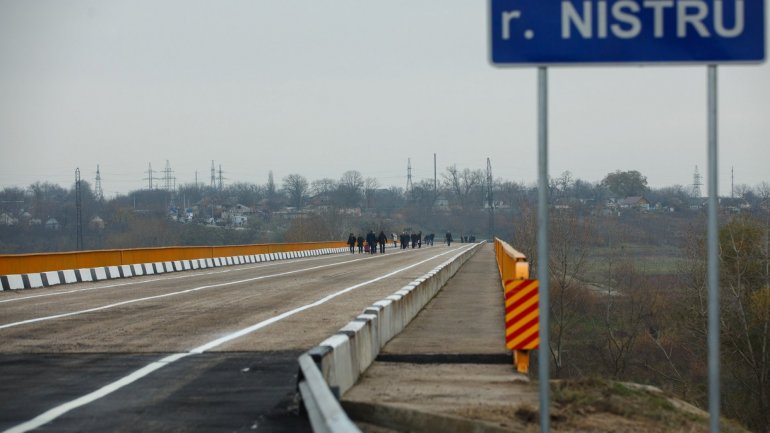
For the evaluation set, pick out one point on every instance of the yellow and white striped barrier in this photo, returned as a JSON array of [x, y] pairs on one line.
[[522, 314]]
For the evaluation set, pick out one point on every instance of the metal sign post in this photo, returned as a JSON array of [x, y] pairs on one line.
[[595, 32], [544, 356], [713, 254]]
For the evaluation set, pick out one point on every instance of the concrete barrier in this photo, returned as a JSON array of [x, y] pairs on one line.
[[51, 278], [343, 357], [70, 276], [99, 274]]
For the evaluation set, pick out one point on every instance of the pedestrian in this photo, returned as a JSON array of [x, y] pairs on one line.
[[382, 240], [371, 242], [419, 239], [395, 240], [448, 239], [360, 242], [352, 243], [414, 240]]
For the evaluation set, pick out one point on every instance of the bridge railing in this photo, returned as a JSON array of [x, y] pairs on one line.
[[44, 262], [511, 263], [521, 297]]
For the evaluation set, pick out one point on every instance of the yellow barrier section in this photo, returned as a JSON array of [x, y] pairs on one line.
[[514, 271], [11, 264], [512, 264]]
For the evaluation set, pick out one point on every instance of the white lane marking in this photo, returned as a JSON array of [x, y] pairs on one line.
[[62, 409], [169, 276], [52, 414], [181, 292], [260, 325]]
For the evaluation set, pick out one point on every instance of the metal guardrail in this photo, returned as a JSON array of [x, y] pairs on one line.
[[324, 411], [512, 264], [521, 322]]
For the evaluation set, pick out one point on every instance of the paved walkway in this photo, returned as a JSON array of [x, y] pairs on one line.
[[449, 371]]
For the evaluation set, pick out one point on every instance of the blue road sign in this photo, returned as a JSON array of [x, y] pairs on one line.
[[562, 32]]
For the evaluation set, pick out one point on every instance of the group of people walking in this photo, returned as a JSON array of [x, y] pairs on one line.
[[368, 244], [373, 243], [415, 239]]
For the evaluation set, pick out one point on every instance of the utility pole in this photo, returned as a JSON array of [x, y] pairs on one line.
[[149, 176], [79, 211], [409, 177], [490, 200], [732, 182], [435, 180], [221, 179], [213, 176]]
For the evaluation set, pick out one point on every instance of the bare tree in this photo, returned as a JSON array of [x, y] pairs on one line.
[[274, 199], [370, 187], [350, 188], [463, 183], [421, 203], [567, 261], [629, 304], [560, 186], [296, 186], [324, 189]]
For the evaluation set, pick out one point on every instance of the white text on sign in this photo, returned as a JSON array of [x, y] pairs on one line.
[[624, 19]]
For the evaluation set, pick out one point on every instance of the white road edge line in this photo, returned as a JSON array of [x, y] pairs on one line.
[[52, 414]]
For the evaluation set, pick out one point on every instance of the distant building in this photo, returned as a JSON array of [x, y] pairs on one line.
[[734, 205], [636, 202], [441, 203], [96, 223], [240, 209], [496, 204], [239, 220], [7, 220]]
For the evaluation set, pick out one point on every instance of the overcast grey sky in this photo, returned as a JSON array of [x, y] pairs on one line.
[[321, 87]]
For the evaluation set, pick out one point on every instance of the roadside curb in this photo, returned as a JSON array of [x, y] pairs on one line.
[[344, 356], [70, 276], [404, 419]]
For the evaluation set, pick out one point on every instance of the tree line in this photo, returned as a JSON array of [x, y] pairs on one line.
[[460, 200]]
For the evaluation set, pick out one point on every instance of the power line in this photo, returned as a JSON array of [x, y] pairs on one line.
[[149, 178], [98, 191], [169, 181], [696, 183]]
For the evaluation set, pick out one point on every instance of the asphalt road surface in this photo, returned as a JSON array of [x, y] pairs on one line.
[[199, 351]]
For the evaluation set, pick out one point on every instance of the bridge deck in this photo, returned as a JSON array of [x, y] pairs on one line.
[[450, 368]]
